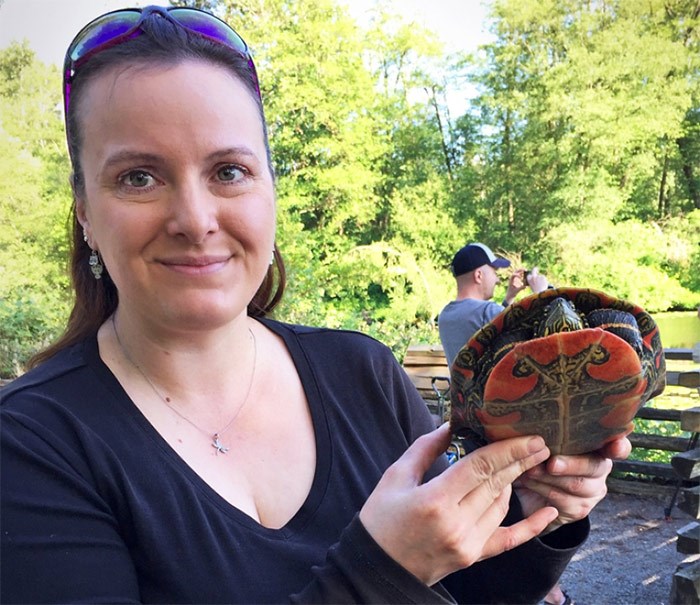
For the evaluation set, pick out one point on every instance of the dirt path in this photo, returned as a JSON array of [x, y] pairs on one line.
[[630, 556]]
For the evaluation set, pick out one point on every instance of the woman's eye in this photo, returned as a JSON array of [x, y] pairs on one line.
[[230, 173], [138, 179]]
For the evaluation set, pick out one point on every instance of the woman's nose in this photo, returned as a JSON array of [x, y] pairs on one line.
[[193, 213]]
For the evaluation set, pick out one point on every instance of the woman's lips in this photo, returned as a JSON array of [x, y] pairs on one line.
[[196, 265]]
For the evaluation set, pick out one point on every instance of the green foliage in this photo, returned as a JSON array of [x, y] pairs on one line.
[[634, 260], [585, 104], [580, 154], [13, 61], [34, 203], [27, 323]]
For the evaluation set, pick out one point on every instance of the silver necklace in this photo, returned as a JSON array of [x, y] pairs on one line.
[[216, 436]]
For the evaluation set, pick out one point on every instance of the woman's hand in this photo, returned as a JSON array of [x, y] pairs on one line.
[[572, 484], [433, 529]]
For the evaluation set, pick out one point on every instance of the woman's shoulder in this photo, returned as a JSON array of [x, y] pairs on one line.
[[335, 339], [41, 378]]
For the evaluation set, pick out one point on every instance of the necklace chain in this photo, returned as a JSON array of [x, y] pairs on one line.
[[216, 436]]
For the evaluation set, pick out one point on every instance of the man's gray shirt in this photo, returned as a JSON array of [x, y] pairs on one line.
[[460, 319]]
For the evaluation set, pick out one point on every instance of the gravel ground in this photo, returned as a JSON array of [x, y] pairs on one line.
[[630, 556]]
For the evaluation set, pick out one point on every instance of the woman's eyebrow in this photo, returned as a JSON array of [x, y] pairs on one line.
[[229, 151], [132, 156], [142, 157]]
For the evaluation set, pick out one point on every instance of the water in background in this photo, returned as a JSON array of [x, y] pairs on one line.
[[678, 329]]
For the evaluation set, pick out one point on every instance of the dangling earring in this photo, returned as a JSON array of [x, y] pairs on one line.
[[272, 258], [95, 264]]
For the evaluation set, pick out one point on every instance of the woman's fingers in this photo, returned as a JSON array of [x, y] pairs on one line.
[[435, 528], [583, 465], [618, 449], [493, 470], [410, 469], [507, 538], [578, 475], [482, 476], [423, 452], [572, 484]]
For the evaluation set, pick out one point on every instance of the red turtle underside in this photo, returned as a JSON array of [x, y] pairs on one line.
[[577, 389]]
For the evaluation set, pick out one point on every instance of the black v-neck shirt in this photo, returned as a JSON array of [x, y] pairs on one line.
[[97, 507]]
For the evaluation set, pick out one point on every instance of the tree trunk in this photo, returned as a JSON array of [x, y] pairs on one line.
[[693, 188], [443, 140], [691, 179], [663, 209]]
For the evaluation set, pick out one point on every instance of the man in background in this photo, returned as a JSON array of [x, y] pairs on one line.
[[474, 269]]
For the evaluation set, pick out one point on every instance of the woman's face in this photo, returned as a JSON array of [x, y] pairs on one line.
[[178, 198]]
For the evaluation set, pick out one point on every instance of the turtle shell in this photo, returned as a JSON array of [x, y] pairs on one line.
[[578, 387]]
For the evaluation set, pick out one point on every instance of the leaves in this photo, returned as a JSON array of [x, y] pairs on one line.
[[580, 154]]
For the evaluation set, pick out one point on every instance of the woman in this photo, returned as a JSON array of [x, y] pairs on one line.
[[177, 446]]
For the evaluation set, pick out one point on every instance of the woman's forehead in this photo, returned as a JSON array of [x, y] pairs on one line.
[[187, 99], [173, 78]]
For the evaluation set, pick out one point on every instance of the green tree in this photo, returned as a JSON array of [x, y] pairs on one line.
[[583, 104], [580, 154], [587, 127], [34, 203]]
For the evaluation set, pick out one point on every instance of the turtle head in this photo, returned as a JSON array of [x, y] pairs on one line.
[[559, 316]]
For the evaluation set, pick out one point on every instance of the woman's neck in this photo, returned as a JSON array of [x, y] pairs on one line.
[[187, 366]]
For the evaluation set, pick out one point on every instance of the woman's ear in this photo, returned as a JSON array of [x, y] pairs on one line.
[[81, 212]]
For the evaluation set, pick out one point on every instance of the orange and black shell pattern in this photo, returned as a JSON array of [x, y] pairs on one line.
[[579, 387]]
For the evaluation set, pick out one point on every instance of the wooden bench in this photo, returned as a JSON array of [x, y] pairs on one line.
[[426, 365]]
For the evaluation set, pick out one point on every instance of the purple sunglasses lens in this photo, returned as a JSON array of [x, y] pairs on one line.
[[103, 30], [119, 24], [214, 28], [210, 26]]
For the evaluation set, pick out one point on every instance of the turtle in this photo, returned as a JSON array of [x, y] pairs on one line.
[[573, 365]]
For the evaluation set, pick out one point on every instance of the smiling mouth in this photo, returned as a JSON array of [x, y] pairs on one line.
[[201, 265]]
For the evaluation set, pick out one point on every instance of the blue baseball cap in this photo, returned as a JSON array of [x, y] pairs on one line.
[[473, 256]]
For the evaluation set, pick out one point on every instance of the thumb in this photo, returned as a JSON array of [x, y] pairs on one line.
[[423, 452]]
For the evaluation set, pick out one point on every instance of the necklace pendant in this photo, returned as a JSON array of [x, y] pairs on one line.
[[220, 447]]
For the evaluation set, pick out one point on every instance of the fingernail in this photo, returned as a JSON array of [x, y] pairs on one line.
[[535, 444], [556, 466]]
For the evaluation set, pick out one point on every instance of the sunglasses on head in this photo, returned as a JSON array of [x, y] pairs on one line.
[[118, 26]]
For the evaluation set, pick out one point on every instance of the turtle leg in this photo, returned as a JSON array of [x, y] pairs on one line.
[[620, 323]]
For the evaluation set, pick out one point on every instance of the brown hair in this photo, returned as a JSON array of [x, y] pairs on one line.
[[161, 43]]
